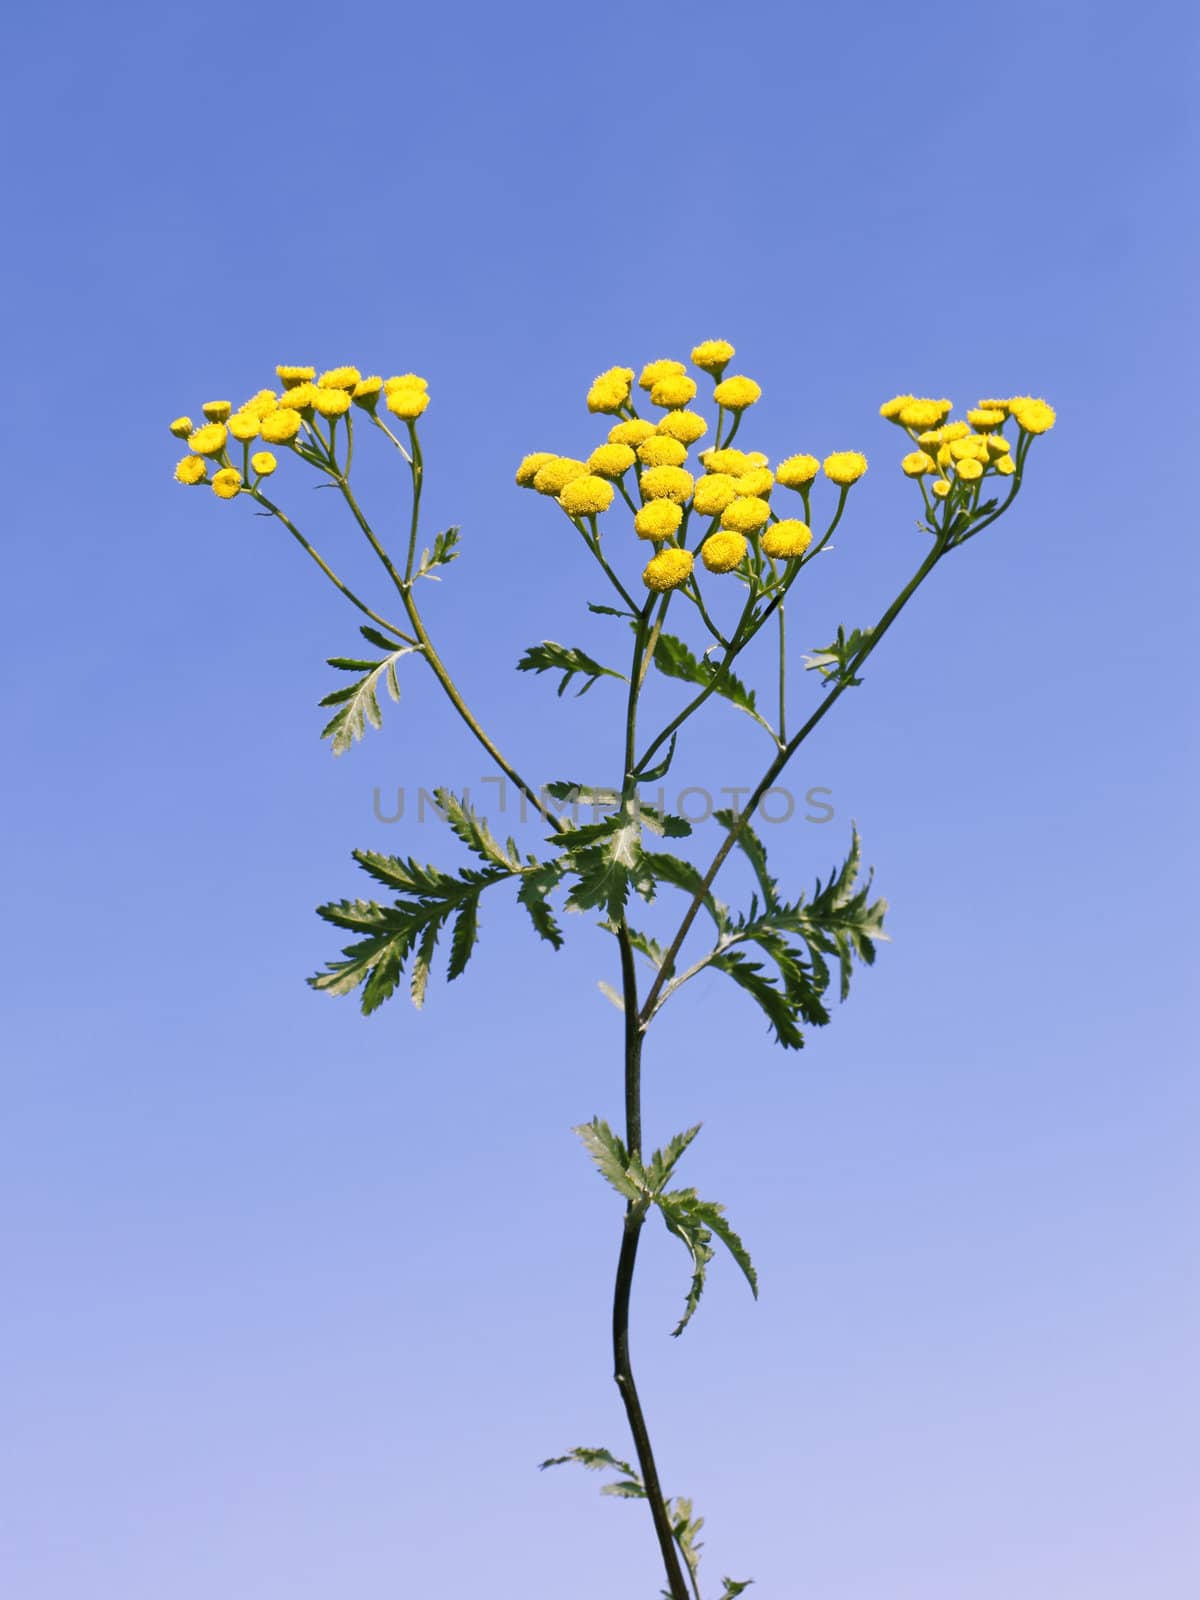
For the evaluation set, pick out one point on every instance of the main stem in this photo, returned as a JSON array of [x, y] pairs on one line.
[[635, 1216]]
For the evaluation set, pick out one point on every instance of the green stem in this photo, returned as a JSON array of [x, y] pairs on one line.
[[782, 676], [777, 766], [274, 511]]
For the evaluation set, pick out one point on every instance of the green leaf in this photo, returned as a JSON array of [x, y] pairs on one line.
[[408, 928], [536, 884], [611, 1158], [683, 875], [777, 1006], [551, 657], [652, 774], [663, 822], [607, 868], [610, 611], [661, 1166], [733, 1588], [696, 1240], [835, 661], [473, 830], [694, 1222], [445, 550], [674, 660], [358, 703], [755, 851], [592, 1458]]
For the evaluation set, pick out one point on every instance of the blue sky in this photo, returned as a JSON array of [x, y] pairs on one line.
[[296, 1301]]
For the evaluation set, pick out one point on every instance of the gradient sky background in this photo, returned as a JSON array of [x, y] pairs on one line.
[[294, 1301]]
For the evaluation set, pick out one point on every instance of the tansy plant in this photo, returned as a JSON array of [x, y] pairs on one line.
[[720, 538]]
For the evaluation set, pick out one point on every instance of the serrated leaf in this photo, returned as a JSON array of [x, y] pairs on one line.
[[834, 662], [662, 1164], [358, 703], [732, 1588], [445, 550], [408, 928], [551, 657], [536, 884], [473, 830], [771, 1000], [674, 659], [755, 852], [611, 1157], [610, 611], [694, 1222], [684, 875]]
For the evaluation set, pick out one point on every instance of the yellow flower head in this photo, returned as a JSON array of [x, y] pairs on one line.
[[586, 496], [261, 404], [181, 427], [227, 483], [924, 413], [972, 448], [756, 458], [553, 476], [263, 462], [657, 520], [997, 444], [1033, 416], [299, 397], [891, 409], [667, 570], [933, 437], [407, 403], [941, 488], [192, 469], [332, 402], [745, 514], [631, 433], [721, 552], [944, 456], [713, 356], [289, 377], [713, 493], [406, 380], [985, 418], [994, 405], [209, 440], [611, 389], [281, 427], [611, 460], [787, 539], [672, 390], [796, 471], [243, 425], [970, 470], [686, 426], [733, 461], [532, 465], [954, 430], [654, 370], [366, 393], [661, 451], [757, 480], [845, 467], [666, 483], [340, 378], [735, 394], [916, 463], [1006, 466], [216, 410]]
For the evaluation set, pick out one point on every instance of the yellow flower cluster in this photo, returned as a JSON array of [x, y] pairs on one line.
[[963, 453], [280, 418], [648, 462]]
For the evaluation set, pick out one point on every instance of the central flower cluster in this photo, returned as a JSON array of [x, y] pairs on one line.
[[647, 461]]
